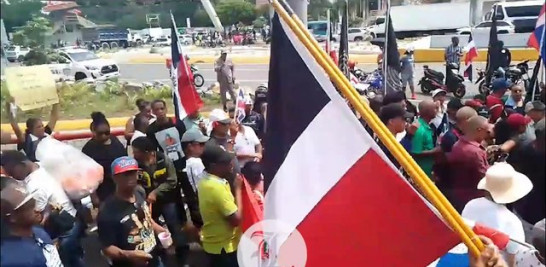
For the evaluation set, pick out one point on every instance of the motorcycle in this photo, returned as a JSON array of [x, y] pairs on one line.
[[359, 74], [432, 80], [220, 43], [514, 73], [208, 42], [371, 86], [198, 79]]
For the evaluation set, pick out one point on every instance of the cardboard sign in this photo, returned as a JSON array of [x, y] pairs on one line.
[[32, 87]]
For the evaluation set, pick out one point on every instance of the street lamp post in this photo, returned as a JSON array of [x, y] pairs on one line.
[[300, 8]]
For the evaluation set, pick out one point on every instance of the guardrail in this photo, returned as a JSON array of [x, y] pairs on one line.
[[74, 135]]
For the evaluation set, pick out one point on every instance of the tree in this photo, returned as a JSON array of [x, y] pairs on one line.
[[201, 19], [234, 11], [33, 33], [18, 12]]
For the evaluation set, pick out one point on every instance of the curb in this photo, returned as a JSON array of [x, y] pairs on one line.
[[437, 55], [421, 56], [369, 58], [80, 124]]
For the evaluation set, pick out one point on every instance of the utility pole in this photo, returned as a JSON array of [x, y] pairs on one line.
[[300, 9], [365, 10]]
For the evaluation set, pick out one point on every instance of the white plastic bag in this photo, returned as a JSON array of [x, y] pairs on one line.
[[78, 174]]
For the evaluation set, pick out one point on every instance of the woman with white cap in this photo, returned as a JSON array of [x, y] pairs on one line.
[[503, 185]]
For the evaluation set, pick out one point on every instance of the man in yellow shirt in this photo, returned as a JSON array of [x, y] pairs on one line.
[[219, 209]]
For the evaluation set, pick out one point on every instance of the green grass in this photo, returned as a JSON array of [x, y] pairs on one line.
[[79, 100]]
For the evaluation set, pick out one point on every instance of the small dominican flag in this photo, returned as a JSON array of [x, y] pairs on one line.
[[471, 53], [240, 106], [537, 39]]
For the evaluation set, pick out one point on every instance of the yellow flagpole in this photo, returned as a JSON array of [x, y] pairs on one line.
[[388, 139], [417, 171]]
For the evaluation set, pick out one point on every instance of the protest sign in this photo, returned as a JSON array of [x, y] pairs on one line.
[[32, 87]]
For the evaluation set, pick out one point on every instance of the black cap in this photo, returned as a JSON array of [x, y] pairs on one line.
[[455, 104], [143, 144], [395, 97], [392, 111], [216, 155]]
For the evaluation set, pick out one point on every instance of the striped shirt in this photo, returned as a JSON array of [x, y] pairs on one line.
[[452, 54]]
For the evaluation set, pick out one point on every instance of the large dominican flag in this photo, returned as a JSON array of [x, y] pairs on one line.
[[327, 178], [538, 38], [185, 97]]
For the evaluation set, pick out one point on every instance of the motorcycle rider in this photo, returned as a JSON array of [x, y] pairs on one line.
[[407, 63]]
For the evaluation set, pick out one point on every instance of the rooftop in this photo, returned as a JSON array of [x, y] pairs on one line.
[[58, 6]]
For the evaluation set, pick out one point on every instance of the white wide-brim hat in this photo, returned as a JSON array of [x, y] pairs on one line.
[[505, 184]]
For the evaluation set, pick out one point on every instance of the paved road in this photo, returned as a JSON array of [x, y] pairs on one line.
[[251, 75]]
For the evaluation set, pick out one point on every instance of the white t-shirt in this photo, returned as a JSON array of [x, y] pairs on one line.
[[496, 216], [47, 190], [195, 171], [245, 144], [136, 135]]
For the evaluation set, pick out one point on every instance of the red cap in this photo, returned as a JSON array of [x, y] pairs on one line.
[[473, 103], [517, 120], [499, 239]]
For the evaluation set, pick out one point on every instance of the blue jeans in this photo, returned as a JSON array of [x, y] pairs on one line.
[[70, 248], [174, 216]]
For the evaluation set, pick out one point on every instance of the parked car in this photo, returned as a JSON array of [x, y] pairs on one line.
[[162, 41], [85, 65], [356, 34], [186, 39], [485, 26], [16, 53]]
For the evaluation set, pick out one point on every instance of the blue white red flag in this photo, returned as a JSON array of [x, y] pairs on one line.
[[537, 39], [471, 53], [240, 106], [322, 172], [186, 100]]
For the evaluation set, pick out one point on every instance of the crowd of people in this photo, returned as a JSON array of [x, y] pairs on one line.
[[485, 154], [168, 172]]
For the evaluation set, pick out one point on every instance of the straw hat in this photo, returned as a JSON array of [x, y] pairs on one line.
[[505, 184]]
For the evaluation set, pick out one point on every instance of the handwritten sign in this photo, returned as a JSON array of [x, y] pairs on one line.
[[32, 87]]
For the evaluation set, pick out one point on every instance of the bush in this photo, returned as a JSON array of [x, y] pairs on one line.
[[39, 56]]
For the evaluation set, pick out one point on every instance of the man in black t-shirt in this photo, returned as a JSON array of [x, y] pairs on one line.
[[165, 134], [126, 229], [253, 119]]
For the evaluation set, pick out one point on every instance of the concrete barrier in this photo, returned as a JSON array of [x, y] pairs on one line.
[[437, 55], [481, 39], [421, 55]]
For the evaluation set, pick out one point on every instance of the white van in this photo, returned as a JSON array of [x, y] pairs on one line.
[[523, 14]]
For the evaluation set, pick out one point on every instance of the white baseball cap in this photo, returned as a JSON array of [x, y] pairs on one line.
[[505, 184], [437, 91], [219, 116]]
